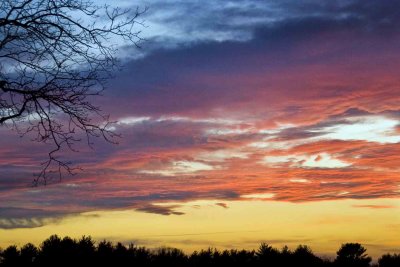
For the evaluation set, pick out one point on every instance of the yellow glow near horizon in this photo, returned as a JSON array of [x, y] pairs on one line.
[[244, 224]]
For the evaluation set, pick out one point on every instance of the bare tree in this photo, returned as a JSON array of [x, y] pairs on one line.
[[54, 56]]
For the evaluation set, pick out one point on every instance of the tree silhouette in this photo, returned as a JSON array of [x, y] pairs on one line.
[[389, 260], [208, 257], [56, 251], [304, 257], [28, 254], [86, 250], [166, 256], [104, 253], [56, 55], [120, 254], [286, 256], [241, 257], [53, 250], [352, 255], [268, 255], [138, 255], [11, 256]]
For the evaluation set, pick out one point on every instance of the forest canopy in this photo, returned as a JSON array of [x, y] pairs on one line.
[[56, 251]]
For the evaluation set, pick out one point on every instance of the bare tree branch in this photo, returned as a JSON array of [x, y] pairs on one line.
[[54, 56]]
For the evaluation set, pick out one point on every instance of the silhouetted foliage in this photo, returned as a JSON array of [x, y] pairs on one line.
[[140, 256], [268, 256], [104, 253], [169, 257], [389, 260], [304, 257], [207, 257], [56, 251], [352, 255], [11, 256], [86, 250], [28, 254]]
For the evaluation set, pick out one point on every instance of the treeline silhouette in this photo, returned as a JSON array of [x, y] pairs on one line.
[[56, 251]]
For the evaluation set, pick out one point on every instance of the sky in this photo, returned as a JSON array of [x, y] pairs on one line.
[[242, 122]]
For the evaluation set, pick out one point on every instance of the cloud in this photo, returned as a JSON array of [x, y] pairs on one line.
[[368, 128], [26, 222], [375, 206], [181, 167], [311, 86], [169, 26], [162, 210], [223, 205], [322, 160], [259, 196], [12, 218]]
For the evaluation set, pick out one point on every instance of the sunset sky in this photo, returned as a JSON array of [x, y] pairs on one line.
[[242, 122]]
